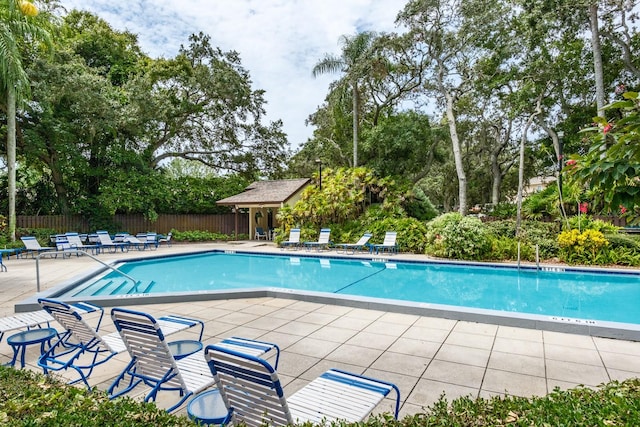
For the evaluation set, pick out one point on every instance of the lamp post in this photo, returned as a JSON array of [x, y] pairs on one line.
[[319, 162], [560, 161]]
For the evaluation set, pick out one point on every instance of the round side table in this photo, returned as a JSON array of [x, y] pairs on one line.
[[208, 408], [21, 340], [183, 348]]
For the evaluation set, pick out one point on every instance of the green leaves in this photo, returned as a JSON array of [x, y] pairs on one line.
[[610, 167]]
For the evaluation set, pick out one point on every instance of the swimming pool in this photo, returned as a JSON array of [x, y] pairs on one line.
[[570, 295]]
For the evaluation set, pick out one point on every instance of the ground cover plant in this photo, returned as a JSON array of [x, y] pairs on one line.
[[32, 399]]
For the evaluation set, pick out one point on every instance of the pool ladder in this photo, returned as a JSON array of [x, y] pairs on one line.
[[537, 257]]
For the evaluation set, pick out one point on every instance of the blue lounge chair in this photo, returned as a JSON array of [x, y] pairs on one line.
[[80, 341], [260, 234], [79, 347], [76, 242], [323, 240], [33, 247], [353, 247], [106, 242], [165, 239], [389, 244], [294, 239], [2, 266], [153, 364], [253, 394]]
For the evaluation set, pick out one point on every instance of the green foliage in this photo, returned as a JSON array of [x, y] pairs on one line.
[[612, 164], [612, 404], [587, 222], [32, 399], [455, 236], [532, 234], [345, 194], [506, 249], [541, 204], [202, 236], [410, 231], [419, 206], [504, 210]]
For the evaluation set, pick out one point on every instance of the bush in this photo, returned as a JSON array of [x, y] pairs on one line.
[[532, 234], [613, 404], [202, 236], [453, 236], [32, 399], [504, 211], [586, 222], [506, 249], [583, 248]]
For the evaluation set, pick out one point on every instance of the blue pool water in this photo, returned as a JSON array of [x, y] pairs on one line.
[[575, 294]]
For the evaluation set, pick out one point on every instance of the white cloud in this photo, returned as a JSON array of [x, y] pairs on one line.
[[279, 41]]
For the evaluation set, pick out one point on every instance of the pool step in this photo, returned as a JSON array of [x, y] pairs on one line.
[[102, 287], [127, 288]]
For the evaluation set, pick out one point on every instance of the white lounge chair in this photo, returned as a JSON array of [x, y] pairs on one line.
[[81, 348], [389, 244], [294, 239], [153, 364], [76, 242], [323, 240], [32, 246], [353, 247], [162, 239], [106, 242], [253, 394]]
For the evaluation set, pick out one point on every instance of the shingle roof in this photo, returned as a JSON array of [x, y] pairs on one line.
[[264, 192]]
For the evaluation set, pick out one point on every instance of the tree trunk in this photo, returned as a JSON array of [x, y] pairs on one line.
[[11, 158], [525, 131], [597, 57], [497, 178], [457, 155], [355, 123]]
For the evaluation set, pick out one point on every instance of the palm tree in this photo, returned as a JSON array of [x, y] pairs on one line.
[[355, 49], [16, 25]]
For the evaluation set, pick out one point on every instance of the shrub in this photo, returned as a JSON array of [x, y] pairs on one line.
[[506, 249], [583, 248], [586, 222], [32, 399], [202, 236], [453, 236], [504, 210], [532, 234]]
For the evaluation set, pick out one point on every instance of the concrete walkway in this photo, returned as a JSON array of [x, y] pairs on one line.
[[424, 356]]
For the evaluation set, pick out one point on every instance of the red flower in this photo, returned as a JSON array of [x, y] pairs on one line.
[[623, 210], [584, 207], [607, 128], [572, 162]]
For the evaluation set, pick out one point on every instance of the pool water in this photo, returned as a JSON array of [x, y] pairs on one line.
[[575, 294]]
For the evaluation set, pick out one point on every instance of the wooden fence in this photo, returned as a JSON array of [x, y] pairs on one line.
[[224, 223]]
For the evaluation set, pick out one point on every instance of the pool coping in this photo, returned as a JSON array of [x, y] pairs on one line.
[[598, 328]]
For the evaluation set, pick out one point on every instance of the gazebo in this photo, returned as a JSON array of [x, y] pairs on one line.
[[263, 199]]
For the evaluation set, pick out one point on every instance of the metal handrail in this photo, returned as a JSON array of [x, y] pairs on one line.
[[76, 251]]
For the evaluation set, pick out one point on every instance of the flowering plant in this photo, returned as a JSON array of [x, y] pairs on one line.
[[577, 247]]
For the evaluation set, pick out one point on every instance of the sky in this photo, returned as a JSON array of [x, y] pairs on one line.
[[279, 41]]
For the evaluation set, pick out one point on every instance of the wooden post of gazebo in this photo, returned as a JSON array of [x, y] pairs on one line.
[[236, 210]]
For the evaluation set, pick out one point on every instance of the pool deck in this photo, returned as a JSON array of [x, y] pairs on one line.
[[424, 356]]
